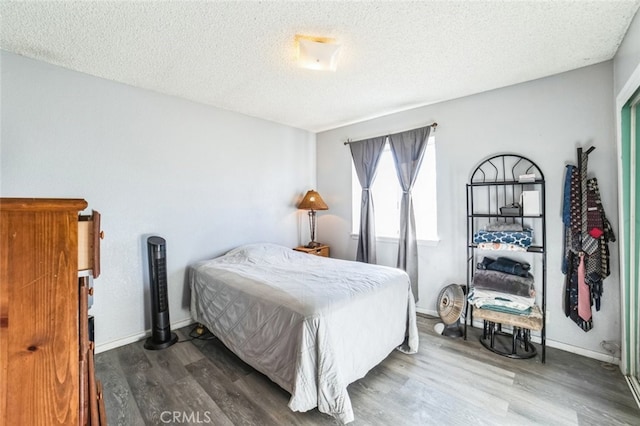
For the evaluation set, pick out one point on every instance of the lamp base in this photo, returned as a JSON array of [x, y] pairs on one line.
[[313, 244]]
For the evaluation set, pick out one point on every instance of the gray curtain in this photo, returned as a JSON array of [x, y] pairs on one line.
[[408, 150], [366, 155]]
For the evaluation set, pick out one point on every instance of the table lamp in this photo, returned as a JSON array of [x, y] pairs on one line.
[[312, 201]]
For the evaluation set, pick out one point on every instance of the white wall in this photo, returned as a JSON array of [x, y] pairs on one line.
[[204, 179], [627, 58], [544, 120]]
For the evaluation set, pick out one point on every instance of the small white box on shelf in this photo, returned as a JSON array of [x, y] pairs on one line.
[[530, 201], [531, 177]]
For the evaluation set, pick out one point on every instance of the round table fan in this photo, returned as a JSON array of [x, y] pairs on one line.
[[450, 306]]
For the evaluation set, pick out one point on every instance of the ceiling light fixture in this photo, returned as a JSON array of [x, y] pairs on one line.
[[317, 53]]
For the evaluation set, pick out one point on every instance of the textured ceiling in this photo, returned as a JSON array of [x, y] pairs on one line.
[[240, 55]]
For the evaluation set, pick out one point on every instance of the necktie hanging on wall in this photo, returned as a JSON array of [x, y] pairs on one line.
[[584, 293], [586, 252]]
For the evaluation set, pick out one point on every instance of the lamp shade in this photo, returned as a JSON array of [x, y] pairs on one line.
[[312, 201]]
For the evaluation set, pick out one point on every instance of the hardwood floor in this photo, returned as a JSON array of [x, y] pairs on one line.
[[448, 382]]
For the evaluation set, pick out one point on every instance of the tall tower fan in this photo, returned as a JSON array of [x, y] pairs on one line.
[[161, 335]]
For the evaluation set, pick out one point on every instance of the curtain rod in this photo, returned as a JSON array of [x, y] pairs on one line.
[[434, 125]]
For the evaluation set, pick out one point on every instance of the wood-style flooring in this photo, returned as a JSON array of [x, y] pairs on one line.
[[448, 382]]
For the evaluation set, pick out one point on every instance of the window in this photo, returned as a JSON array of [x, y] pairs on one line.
[[387, 196]]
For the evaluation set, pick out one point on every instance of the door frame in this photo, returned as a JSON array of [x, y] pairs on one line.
[[629, 289]]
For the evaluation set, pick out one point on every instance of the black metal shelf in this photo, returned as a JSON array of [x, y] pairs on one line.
[[504, 216], [505, 182], [495, 183], [530, 249]]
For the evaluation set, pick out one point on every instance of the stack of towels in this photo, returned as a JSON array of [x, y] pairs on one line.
[[503, 285]]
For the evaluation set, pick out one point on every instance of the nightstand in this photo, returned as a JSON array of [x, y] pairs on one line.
[[321, 250]]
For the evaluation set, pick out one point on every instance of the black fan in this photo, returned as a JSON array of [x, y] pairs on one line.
[[450, 308], [161, 335]]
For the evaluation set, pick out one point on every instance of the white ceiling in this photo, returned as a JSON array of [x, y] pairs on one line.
[[240, 55]]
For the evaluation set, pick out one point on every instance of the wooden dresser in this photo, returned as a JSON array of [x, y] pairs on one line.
[[46, 358]]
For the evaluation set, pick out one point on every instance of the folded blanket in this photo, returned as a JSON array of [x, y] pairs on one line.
[[506, 310], [504, 283], [483, 298], [499, 226], [520, 238], [500, 247], [506, 265]]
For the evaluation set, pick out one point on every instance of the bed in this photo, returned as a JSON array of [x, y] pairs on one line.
[[313, 325]]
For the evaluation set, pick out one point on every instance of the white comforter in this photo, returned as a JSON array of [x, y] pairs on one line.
[[311, 324]]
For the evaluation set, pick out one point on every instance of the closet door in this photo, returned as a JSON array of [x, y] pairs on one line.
[[630, 236], [635, 231], [632, 225]]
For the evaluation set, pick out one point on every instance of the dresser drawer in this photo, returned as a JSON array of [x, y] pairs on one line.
[[89, 236], [321, 251]]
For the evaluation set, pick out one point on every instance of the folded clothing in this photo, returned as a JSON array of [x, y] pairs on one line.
[[486, 299], [519, 238], [500, 247], [499, 226], [507, 310], [506, 265], [504, 283]]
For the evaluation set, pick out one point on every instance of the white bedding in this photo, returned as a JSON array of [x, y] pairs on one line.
[[311, 324]]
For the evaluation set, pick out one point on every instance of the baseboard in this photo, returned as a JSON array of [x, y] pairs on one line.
[[103, 347], [584, 352], [550, 343], [536, 339], [427, 312]]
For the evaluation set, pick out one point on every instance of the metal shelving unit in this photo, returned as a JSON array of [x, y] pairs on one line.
[[496, 182]]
